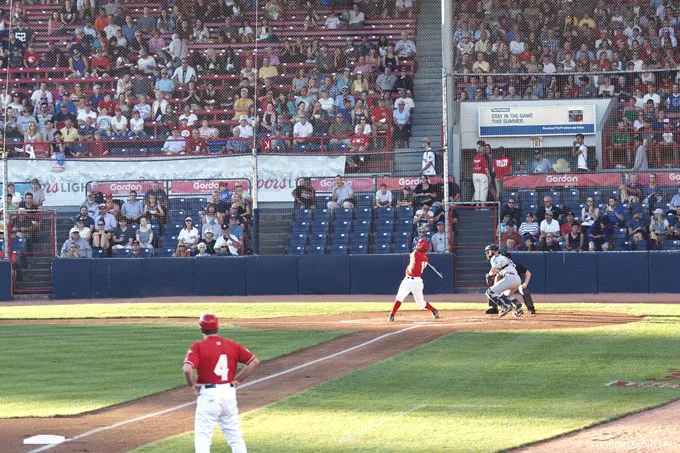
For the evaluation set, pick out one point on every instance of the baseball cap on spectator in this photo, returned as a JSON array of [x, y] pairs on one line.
[[101, 205], [244, 89], [481, 142], [509, 224], [135, 242], [570, 213], [422, 229], [243, 117], [549, 213], [188, 219], [382, 184], [232, 217], [441, 222], [75, 232], [658, 211]]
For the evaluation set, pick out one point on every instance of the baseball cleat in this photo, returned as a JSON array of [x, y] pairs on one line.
[[504, 311], [435, 314], [391, 318], [491, 311], [532, 312], [518, 312]]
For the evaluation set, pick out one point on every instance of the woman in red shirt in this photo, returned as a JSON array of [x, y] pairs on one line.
[[480, 174]]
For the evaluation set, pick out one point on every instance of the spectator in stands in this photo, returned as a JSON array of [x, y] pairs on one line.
[[144, 235], [302, 131], [356, 18], [589, 213], [110, 222], [424, 217], [613, 212], [209, 242], [550, 244], [132, 209], [181, 251], [440, 243], [406, 197], [184, 74], [231, 243], [640, 163], [548, 206], [304, 194], [549, 226], [529, 245], [510, 232], [512, 210], [637, 229], [189, 235], [405, 47], [82, 246], [599, 235], [78, 65], [480, 174], [565, 228], [175, 144], [342, 195], [123, 235], [428, 161], [421, 235], [101, 237], [211, 224], [383, 197], [574, 239], [540, 164], [659, 228], [401, 119], [424, 193]]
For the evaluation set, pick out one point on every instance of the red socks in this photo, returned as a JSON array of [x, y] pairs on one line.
[[429, 307], [397, 304]]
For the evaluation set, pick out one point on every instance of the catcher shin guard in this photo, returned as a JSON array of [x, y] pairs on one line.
[[499, 299]]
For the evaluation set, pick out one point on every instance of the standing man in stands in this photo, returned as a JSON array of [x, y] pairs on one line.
[[428, 167], [480, 174], [580, 151], [502, 165]]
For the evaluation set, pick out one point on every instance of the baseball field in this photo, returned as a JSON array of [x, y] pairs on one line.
[[336, 377]]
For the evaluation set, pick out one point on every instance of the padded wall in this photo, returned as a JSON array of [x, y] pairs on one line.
[[324, 274], [535, 263], [71, 279], [271, 274], [5, 280], [163, 277], [376, 274], [220, 276], [663, 272], [623, 272], [571, 273], [115, 277]]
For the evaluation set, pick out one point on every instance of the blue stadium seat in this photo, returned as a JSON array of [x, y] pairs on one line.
[[359, 237], [384, 213], [298, 239], [319, 226], [344, 214], [400, 248], [507, 195], [316, 250], [359, 249], [382, 237], [299, 227], [338, 249], [596, 195], [529, 197], [18, 245], [147, 253], [295, 250], [381, 248], [363, 213], [571, 198], [316, 239], [165, 251], [670, 244], [121, 253], [556, 197], [384, 225], [98, 253], [342, 226], [404, 225], [196, 204], [405, 212], [362, 225], [363, 200], [323, 200], [401, 236], [323, 214], [621, 232], [340, 238], [303, 214]]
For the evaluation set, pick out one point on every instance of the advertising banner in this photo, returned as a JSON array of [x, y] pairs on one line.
[[504, 119], [562, 180], [68, 186]]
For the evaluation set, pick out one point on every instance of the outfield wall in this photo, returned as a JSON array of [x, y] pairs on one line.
[[240, 276], [5, 280]]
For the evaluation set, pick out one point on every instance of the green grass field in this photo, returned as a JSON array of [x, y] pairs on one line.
[[49, 370], [468, 391]]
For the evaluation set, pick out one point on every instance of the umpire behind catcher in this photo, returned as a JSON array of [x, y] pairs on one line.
[[525, 276]]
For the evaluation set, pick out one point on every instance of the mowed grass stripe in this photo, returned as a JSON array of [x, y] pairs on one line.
[[479, 391], [55, 369], [277, 309]]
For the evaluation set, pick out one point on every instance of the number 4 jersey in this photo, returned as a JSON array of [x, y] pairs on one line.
[[216, 359]]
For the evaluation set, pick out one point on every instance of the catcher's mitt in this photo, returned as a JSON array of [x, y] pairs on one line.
[[490, 280]]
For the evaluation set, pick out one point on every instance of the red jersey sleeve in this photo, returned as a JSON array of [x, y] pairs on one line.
[[193, 355]]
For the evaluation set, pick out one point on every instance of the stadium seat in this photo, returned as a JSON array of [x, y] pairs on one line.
[[359, 249], [596, 195], [121, 253], [359, 237], [362, 226], [342, 226], [319, 226], [384, 213], [323, 214], [337, 249], [298, 239], [382, 238], [507, 195], [363, 200], [295, 250], [316, 250], [384, 225], [165, 251], [621, 232], [344, 214], [381, 248], [299, 227], [98, 253], [405, 212], [303, 214], [401, 236], [318, 239], [400, 248], [363, 213], [340, 238], [148, 253], [556, 197], [404, 225], [670, 244], [18, 245]]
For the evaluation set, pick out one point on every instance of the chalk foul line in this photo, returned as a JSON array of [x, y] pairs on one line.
[[247, 384]]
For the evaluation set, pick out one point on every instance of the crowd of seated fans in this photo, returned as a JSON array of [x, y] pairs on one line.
[[215, 101], [24, 211], [139, 227], [630, 218]]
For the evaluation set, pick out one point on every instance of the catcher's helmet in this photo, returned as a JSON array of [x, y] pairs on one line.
[[489, 249], [423, 245], [208, 321]]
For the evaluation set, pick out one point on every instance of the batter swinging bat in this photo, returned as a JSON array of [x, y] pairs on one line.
[[435, 270]]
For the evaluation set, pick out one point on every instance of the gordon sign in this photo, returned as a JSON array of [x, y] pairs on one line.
[[563, 180]]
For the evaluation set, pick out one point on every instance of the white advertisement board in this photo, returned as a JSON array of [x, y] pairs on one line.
[[276, 174], [504, 119]]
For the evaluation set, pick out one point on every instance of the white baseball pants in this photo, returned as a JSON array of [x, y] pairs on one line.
[[508, 283], [412, 285], [218, 405], [481, 183]]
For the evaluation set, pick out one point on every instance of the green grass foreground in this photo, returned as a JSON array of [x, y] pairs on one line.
[[278, 309], [471, 391], [54, 369]]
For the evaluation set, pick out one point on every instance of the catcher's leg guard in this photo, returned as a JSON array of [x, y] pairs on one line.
[[499, 299]]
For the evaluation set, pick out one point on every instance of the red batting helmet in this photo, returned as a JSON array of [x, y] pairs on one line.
[[208, 321], [423, 245]]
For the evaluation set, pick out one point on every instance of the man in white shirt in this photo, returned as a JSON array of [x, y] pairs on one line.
[[146, 63], [580, 151], [383, 197], [408, 102], [332, 21], [175, 144], [86, 112], [184, 74], [405, 47], [549, 225], [302, 130], [41, 95], [651, 94], [356, 17], [438, 239], [189, 116], [245, 129], [428, 167]]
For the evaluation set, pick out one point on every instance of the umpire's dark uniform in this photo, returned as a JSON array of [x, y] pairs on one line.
[[528, 301]]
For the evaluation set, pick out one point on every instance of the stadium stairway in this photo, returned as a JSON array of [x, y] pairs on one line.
[[428, 89], [274, 227], [475, 231]]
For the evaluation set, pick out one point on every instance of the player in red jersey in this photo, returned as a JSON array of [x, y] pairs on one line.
[[502, 165], [413, 283], [216, 360]]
